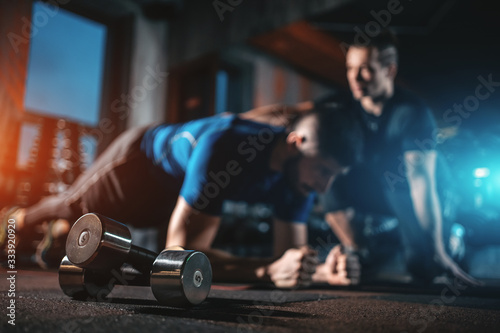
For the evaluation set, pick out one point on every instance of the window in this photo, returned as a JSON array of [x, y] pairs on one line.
[[66, 65]]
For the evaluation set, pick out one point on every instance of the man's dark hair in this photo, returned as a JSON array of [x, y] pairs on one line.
[[386, 44], [337, 132]]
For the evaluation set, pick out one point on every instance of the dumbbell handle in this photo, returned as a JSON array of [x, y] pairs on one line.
[[128, 276], [141, 259]]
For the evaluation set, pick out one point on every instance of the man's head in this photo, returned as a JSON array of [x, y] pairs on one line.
[[325, 142], [372, 67]]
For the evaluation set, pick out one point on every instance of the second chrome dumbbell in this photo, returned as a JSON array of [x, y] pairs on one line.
[[97, 245]]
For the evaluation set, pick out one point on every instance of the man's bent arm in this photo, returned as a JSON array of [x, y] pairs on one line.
[[278, 114], [421, 171], [340, 223], [340, 268], [194, 230]]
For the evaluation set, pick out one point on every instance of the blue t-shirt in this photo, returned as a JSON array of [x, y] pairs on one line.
[[224, 158]]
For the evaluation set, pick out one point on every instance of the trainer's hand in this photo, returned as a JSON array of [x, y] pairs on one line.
[[449, 264], [339, 269], [294, 268]]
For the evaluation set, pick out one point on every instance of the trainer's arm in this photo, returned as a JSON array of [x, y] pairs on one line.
[[421, 175], [277, 114], [194, 230], [340, 268]]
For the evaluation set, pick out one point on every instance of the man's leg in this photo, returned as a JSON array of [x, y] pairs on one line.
[[121, 184], [81, 195]]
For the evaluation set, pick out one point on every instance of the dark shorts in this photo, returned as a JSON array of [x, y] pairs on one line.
[[122, 184]]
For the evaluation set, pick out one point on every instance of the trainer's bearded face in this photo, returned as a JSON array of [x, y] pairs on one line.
[[311, 173]]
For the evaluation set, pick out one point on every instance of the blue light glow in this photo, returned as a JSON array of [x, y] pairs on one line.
[[496, 180]]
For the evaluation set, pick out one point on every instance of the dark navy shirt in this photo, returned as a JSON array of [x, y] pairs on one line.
[[406, 124], [224, 158]]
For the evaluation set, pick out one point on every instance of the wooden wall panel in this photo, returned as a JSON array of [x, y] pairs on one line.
[[206, 26], [307, 49]]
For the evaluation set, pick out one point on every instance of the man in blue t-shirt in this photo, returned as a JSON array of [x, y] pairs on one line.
[[176, 177], [397, 178]]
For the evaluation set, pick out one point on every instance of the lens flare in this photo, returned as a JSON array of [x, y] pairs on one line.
[[481, 172]]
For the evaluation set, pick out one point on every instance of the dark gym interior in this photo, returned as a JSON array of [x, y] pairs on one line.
[[74, 74]]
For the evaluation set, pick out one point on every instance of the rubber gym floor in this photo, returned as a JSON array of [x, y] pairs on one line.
[[41, 306]]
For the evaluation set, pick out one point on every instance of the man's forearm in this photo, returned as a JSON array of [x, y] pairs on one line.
[[340, 223], [426, 201], [228, 268]]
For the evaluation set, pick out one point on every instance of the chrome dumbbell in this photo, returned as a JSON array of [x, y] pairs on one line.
[[96, 249]]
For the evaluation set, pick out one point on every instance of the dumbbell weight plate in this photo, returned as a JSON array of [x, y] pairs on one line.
[[181, 278], [94, 244], [83, 284]]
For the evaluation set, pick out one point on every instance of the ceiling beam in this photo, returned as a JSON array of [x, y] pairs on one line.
[[306, 48]]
